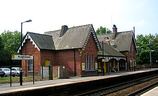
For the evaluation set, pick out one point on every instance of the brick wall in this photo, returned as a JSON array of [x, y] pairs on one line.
[[47, 55], [66, 58], [70, 59], [130, 54], [90, 49], [29, 49]]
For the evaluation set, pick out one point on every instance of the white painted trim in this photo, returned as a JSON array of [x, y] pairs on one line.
[[95, 38], [31, 40]]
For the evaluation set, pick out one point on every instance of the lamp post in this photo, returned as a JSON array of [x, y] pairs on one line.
[[21, 30], [21, 49], [150, 53]]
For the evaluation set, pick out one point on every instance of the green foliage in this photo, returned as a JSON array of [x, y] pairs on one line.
[[103, 30], [1, 45], [9, 43], [144, 48], [154, 43]]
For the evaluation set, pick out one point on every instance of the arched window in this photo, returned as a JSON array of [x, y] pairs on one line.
[[87, 61], [92, 62]]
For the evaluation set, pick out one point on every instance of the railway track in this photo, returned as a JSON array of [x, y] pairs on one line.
[[113, 88], [143, 90]]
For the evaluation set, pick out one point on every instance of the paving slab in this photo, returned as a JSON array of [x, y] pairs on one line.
[[5, 88], [152, 92]]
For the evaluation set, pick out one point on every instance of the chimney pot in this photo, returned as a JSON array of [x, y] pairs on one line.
[[114, 29], [64, 28]]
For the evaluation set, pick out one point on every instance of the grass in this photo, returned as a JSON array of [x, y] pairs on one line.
[[4, 80]]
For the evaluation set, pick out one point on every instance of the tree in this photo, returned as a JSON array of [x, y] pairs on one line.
[[103, 30], [155, 43], [1, 45], [4, 54], [144, 48], [10, 42]]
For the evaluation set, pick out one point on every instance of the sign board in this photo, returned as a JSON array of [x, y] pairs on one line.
[[96, 66], [47, 63], [83, 67], [22, 57]]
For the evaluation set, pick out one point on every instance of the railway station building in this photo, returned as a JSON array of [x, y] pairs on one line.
[[124, 43], [78, 51], [73, 49]]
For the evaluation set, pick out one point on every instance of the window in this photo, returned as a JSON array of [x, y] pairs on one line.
[[30, 67], [92, 62], [87, 61]]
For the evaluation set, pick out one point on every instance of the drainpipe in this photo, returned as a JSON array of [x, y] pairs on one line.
[[74, 63], [103, 56]]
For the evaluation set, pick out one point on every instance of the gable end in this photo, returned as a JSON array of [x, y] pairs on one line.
[[95, 39], [31, 40]]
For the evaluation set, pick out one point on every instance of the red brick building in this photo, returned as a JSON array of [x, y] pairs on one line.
[[125, 43], [75, 49]]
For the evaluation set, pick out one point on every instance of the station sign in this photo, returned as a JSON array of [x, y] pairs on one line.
[[22, 57]]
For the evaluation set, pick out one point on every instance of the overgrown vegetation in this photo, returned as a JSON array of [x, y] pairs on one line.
[[145, 44]]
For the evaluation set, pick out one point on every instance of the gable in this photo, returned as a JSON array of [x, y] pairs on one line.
[[40, 41], [90, 44], [133, 45], [123, 41], [92, 32]]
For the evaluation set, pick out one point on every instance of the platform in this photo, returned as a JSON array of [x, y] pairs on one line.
[[5, 88], [152, 92]]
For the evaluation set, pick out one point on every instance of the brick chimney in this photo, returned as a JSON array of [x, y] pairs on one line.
[[114, 31], [64, 28]]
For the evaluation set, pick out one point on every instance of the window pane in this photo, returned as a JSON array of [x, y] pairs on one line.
[[30, 67], [92, 62], [87, 61]]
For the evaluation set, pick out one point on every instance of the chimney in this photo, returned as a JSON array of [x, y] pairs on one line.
[[64, 28], [106, 40], [114, 31]]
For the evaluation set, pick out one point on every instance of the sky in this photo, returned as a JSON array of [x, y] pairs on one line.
[[49, 15]]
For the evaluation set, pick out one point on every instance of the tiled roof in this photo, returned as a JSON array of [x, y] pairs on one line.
[[109, 51], [42, 41], [122, 41], [74, 38]]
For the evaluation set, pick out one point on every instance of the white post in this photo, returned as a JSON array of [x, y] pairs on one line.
[[58, 71]]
